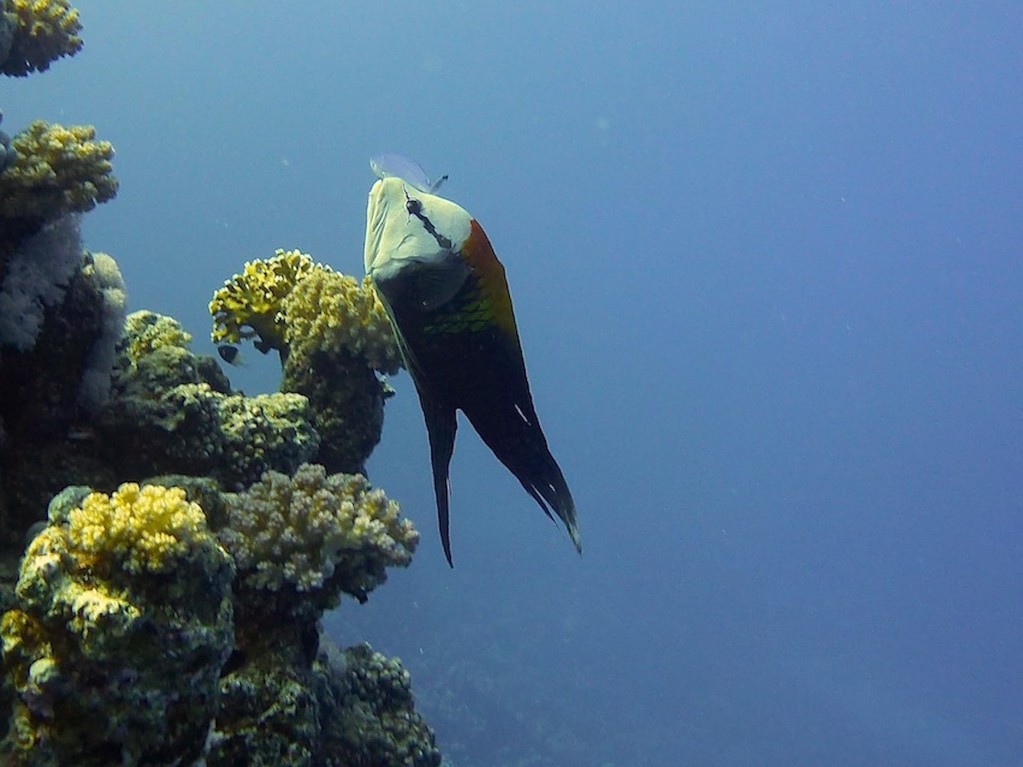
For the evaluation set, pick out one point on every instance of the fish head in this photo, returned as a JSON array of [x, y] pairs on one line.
[[408, 227]]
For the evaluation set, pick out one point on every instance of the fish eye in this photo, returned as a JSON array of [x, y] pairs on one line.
[[414, 207]]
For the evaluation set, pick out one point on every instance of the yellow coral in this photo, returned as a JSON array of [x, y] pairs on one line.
[[249, 304], [147, 331], [44, 31], [58, 170], [333, 312], [148, 529], [295, 305]]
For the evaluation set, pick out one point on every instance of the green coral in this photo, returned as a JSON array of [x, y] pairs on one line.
[[374, 721], [43, 31], [316, 535], [57, 170], [173, 412], [112, 660]]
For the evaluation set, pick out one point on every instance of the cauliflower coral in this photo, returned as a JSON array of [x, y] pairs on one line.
[[57, 170], [122, 620], [316, 533], [333, 312], [146, 331], [42, 32], [139, 529]]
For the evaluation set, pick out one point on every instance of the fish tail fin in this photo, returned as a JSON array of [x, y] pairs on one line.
[[441, 426], [547, 485], [515, 437]]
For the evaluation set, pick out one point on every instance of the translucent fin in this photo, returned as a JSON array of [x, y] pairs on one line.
[[405, 168]]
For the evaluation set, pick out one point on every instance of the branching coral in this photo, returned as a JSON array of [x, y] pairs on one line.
[[43, 31], [114, 659], [57, 170], [249, 304], [317, 534]]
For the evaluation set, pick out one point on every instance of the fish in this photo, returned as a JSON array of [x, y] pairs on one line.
[[232, 355], [447, 297]]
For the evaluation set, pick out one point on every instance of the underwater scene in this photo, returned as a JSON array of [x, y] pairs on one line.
[[489, 384]]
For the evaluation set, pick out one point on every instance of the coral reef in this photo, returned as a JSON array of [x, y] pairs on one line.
[[316, 534], [334, 313], [136, 529], [172, 413], [35, 276], [38, 32], [374, 718], [345, 708], [95, 388], [338, 338], [56, 170], [55, 371], [297, 543], [166, 549], [249, 304], [347, 400], [333, 337], [296, 306], [113, 661], [7, 154]]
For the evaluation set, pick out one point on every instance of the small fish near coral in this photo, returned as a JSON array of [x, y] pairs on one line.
[[232, 355], [447, 297]]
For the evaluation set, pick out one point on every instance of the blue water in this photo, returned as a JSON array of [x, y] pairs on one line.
[[767, 263]]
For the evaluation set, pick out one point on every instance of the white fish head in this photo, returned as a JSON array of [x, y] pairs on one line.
[[406, 226]]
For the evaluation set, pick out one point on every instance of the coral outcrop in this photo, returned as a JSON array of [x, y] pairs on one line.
[[334, 340], [172, 412], [57, 170], [167, 548], [60, 319], [315, 535], [35, 279], [35, 33], [374, 717], [347, 708], [298, 543], [112, 660], [296, 306]]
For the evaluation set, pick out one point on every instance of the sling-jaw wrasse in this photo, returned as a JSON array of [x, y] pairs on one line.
[[446, 294]]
